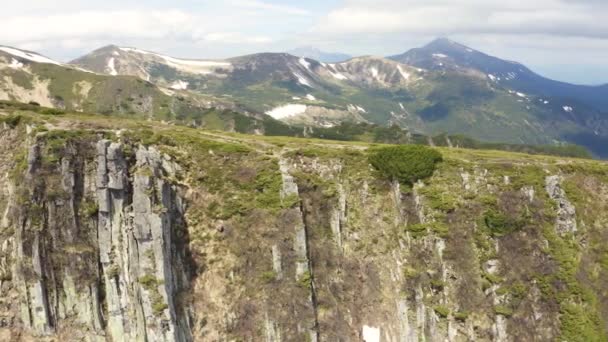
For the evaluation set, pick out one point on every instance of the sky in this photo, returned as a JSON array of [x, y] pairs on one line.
[[562, 39]]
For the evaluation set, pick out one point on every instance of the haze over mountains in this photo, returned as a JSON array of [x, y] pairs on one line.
[[321, 56], [441, 87]]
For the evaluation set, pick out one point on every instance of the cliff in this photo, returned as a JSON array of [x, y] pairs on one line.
[[119, 230]]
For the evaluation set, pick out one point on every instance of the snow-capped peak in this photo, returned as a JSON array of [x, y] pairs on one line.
[[30, 56], [188, 65]]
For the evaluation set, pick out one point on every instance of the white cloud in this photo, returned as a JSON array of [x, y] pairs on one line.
[[255, 4], [235, 38], [141, 24], [439, 17], [68, 34]]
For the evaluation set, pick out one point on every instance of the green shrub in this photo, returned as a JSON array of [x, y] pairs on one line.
[[51, 111], [148, 281], [503, 311], [90, 209], [268, 276], [158, 305], [580, 324], [11, 120], [442, 311], [417, 230], [305, 280], [420, 230], [500, 224], [405, 163], [437, 284], [461, 316]]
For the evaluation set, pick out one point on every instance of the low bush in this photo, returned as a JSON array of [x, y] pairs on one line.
[[405, 163], [11, 120], [501, 224]]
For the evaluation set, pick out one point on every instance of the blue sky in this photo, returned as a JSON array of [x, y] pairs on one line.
[[563, 39]]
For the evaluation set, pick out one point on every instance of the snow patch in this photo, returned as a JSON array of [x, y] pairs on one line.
[[179, 85], [15, 64], [568, 109], [338, 76], [440, 55], [304, 63], [311, 98], [371, 334], [492, 77], [115, 53], [521, 95], [287, 111], [183, 64], [401, 105], [302, 80], [296, 98], [354, 108], [112, 67], [403, 73], [28, 55], [374, 72]]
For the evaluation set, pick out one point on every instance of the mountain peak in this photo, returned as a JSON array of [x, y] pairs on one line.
[[27, 55], [443, 44], [441, 41]]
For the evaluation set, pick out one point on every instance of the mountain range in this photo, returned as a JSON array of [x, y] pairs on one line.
[[443, 87]]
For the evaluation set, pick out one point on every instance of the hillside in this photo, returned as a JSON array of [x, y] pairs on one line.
[[445, 54], [28, 77], [433, 90], [210, 236]]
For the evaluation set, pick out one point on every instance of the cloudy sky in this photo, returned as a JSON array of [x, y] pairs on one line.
[[563, 39]]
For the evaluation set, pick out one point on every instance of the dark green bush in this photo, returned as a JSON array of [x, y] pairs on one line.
[[52, 111], [500, 224], [11, 120], [405, 163]]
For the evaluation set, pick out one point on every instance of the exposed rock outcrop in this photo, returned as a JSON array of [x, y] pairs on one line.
[[95, 239], [566, 212]]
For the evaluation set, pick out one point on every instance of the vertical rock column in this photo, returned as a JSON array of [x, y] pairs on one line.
[[35, 311], [141, 272], [566, 212], [303, 269], [156, 208], [111, 196]]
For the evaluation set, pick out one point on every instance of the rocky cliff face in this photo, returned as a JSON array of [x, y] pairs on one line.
[[224, 238], [94, 244]]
